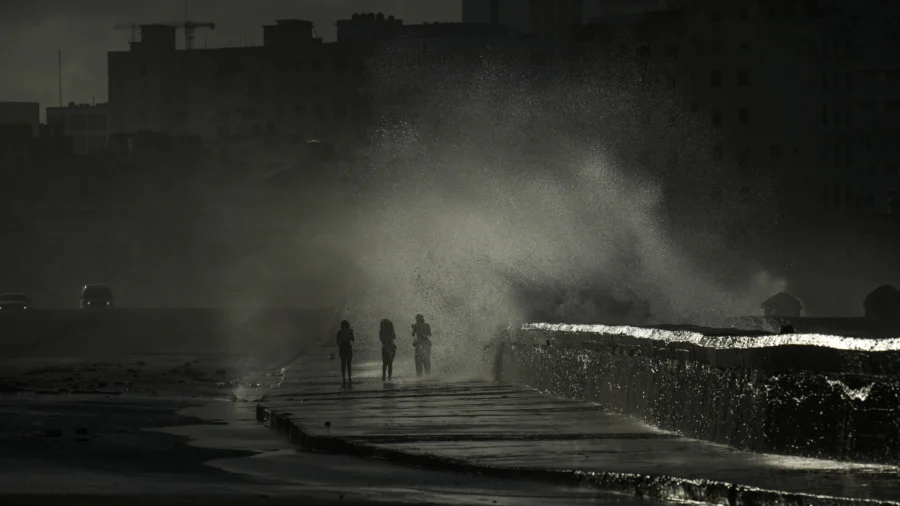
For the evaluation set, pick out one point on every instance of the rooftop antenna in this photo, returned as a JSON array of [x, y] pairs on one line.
[[59, 71]]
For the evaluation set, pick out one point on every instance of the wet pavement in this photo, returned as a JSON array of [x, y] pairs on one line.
[[156, 429], [490, 427]]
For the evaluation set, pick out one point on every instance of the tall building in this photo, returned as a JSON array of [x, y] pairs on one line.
[[292, 85], [512, 13], [86, 124], [859, 95], [545, 18], [812, 104]]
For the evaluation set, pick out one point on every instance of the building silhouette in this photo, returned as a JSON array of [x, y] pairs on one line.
[[803, 93], [556, 19], [86, 124], [293, 85]]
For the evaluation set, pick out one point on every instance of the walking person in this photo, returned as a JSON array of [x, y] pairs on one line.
[[345, 350], [388, 348], [421, 331]]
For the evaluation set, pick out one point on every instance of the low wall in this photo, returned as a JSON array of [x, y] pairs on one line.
[[802, 394]]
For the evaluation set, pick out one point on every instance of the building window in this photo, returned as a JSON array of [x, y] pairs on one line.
[[825, 115], [825, 80], [775, 152], [300, 111], [672, 53], [143, 70], [695, 106], [718, 154], [715, 16], [892, 170], [340, 112], [644, 51], [317, 66], [744, 158], [319, 112], [744, 116], [745, 45], [716, 118], [717, 46], [715, 78], [743, 14], [743, 77]]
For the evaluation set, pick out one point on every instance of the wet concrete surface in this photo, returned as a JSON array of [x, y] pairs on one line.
[[485, 425], [175, 428]]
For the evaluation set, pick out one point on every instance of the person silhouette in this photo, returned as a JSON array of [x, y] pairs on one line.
[[345, 350], [388, 348], [421, 331]]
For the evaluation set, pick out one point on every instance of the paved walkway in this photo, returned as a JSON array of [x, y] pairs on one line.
[[507, 430]]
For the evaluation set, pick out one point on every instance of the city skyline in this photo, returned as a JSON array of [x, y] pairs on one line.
[[84, 32]]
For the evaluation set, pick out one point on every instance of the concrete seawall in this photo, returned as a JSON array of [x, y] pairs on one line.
[[806, 395]]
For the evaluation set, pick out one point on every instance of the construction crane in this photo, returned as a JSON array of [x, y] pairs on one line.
[[189, 28]]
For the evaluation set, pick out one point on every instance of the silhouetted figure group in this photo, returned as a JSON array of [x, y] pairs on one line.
[[421, 333]]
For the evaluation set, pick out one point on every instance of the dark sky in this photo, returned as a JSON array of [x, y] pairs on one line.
[[32, 32]]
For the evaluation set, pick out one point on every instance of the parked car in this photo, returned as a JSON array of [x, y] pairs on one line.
[[96, 297], [14, 302]]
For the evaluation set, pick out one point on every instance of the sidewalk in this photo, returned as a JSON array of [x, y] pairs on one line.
[[510, 431]]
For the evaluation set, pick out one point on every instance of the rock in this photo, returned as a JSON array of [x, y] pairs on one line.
[[328, 424], [221, 372]]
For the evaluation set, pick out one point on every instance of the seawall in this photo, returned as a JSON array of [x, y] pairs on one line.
[[800, 394]]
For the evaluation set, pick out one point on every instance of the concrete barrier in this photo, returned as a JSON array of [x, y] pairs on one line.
[[808, 395]]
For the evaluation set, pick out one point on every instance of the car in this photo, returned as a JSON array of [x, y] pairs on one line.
[[14, 302], [96, 297]]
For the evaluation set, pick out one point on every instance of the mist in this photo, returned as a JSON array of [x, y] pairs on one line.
[[495, 196]]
